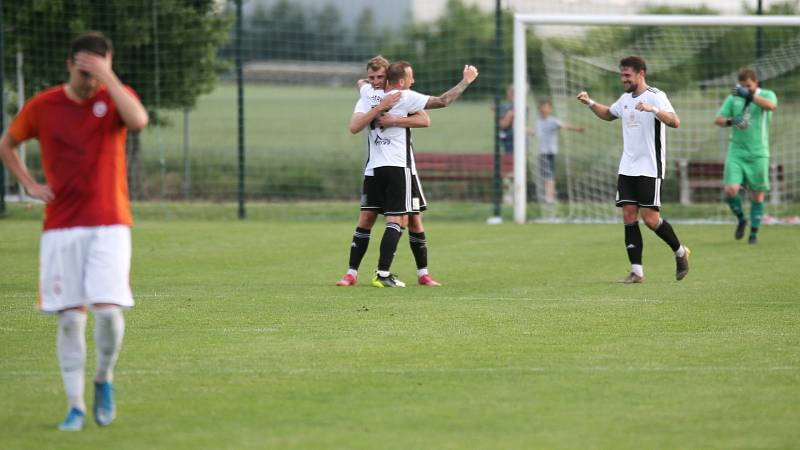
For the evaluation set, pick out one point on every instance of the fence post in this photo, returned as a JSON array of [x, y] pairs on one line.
[[498, 52], [2, 109], [187, 171], [775, 184], [240, 106], [683, 182]]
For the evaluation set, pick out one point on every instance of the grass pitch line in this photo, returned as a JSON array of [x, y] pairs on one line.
[[420, 370]]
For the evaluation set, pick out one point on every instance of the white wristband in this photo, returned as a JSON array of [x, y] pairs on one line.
[[656, 110], [591, 103]]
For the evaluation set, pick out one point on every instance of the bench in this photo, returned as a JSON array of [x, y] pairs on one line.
[[699, 175], [461, 166]]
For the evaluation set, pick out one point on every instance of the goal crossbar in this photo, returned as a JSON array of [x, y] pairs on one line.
[[521, 21]]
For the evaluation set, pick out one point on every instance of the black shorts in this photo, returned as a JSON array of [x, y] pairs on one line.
[[547, 165], [393, 191], [642, 191]]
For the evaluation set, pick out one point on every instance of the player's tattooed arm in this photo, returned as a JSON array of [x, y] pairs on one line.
[[360, 120], [417, 120], [442, 101]]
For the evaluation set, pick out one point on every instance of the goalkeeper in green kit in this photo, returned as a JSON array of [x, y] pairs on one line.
[[748, 111]]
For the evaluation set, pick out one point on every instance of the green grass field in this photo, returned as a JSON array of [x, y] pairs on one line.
[[240, 340]]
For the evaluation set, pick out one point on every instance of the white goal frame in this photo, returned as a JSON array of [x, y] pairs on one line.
[[522, 21]]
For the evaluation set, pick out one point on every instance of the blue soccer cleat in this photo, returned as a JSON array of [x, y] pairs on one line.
[[104, 408], [73, 421]]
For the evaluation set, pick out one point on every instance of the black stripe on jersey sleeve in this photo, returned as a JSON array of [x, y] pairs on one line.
[[408, 147], [366, 163], [658, 146]]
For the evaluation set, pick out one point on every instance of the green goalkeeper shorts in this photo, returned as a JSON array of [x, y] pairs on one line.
[[753, 173]]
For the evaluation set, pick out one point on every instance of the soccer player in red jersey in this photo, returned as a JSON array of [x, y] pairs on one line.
[[85, 250]]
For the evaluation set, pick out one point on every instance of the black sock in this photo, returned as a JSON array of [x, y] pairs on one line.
[[391, 236], [358, 248], [667, 234], [419, 247], [634, 243]]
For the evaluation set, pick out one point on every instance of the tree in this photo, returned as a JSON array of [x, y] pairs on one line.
[[165, 50], [168, 54], [286, 34], [256, 35], [328, 35], [365, 36]]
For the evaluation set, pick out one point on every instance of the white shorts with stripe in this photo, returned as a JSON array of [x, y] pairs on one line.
[[83, 266]]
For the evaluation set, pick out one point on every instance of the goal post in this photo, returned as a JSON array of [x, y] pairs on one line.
[[520, 61]]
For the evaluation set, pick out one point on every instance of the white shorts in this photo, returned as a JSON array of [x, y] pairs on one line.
[[83, 266]]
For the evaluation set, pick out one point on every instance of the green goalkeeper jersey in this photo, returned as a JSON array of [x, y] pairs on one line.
[[753, 141]]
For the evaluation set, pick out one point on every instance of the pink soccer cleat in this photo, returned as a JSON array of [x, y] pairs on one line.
[[347, 280], [427, 280]]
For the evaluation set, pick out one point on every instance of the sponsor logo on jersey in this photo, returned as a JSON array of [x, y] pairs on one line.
[[99, 109], [382, 141]]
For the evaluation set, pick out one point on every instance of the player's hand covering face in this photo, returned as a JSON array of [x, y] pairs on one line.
[[745, 89], [95, 65]]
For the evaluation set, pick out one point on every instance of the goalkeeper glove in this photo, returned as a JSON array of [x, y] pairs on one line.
[[743, 92], [738, 122]]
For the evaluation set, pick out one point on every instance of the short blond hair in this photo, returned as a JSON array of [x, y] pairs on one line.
[[377, 62]]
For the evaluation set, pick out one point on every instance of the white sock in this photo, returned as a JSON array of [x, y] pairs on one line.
[[680, 252], [71, 349], [353, 272], [108, 332], [638, 269], [421, 272], [383, 273]]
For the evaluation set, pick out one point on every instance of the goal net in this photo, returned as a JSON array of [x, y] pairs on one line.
[[695, 60]]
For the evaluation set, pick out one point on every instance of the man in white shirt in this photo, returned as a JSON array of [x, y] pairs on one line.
[[645, 111], [394, 190], [371, 100]]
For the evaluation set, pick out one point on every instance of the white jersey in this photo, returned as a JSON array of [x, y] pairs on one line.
[[391, 146], [644, 137], [368, 98]]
